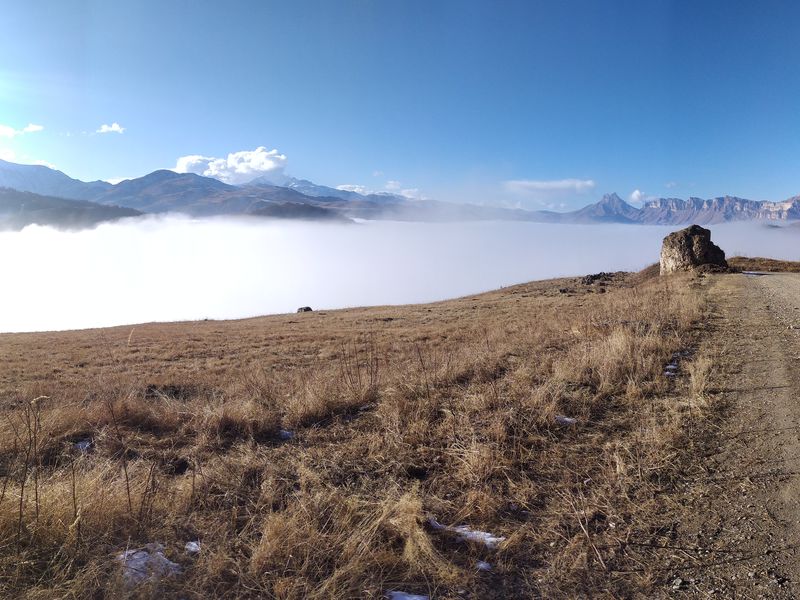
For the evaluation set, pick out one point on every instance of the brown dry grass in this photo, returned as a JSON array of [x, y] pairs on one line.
[[759, 263], [399, 414]]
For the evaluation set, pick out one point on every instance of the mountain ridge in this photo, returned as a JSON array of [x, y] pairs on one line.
[[168, 191], [20, 209]]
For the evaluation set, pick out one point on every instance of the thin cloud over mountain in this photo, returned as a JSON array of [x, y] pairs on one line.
[[555, 185], [391, 187]]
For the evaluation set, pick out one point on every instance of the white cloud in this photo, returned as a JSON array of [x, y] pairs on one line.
[[671, 184], [44, 163], [393, 186], [358, 189], [113, 128], [547, 193], [116, 180], [412, 193], [9, 132], [557, 186], [639, 197], [7, 154], [238, 168]]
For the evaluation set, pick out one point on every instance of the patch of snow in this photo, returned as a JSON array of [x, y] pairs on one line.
[[562, 420], [470, 535], [192, 547], [404, 596], [285, 434], [491, 541], [148, 563], [483, 566], [83, 445]]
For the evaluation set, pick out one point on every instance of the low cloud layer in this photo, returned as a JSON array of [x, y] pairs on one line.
[[238, 167], [164, 269]]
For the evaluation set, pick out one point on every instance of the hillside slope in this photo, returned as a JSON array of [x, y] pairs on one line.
[[19, 209], [334, 454], [45, 181]]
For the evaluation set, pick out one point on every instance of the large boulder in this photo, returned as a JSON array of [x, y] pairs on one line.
[[690, 248]]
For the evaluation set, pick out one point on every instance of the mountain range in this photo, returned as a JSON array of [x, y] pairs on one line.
[[39, 194]]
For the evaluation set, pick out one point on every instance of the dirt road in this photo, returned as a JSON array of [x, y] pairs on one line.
[[740, 537]]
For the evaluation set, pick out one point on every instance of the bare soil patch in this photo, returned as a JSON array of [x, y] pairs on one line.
[[739, 531]]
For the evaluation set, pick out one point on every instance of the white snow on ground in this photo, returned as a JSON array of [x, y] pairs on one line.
[[148, 563], [192, 547], [404, 596], [471, 535]]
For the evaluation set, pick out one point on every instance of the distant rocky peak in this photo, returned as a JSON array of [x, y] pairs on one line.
[[612, 201], [611, 198]]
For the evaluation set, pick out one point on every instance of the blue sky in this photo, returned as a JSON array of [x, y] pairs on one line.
[[516, 103]]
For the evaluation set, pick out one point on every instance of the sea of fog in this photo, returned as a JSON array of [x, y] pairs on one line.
[[177, 268]]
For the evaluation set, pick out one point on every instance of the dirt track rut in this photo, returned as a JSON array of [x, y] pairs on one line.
[[741, 532]]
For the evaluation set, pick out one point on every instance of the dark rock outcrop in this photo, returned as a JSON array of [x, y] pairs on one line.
[[690, 248]]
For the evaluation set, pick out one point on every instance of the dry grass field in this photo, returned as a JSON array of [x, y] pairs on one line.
[[314, 455], [769, 265]]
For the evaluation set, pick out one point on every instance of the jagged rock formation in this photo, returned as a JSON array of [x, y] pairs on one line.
[[688, 249], [674, 211]]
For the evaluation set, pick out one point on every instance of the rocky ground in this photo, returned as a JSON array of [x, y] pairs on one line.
[[740, 533]]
